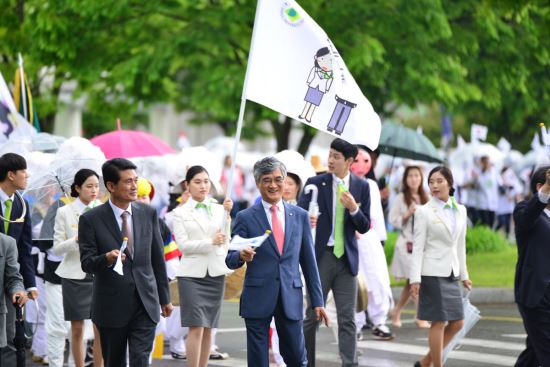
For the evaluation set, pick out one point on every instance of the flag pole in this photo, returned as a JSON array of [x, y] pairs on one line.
[[23, 96], [243, 105]]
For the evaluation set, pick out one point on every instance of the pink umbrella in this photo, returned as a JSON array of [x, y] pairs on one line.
[[130, 143]]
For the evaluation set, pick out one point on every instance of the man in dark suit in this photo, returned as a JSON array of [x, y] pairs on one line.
[[273, 286], [344, 204], [13, 177], [532, 283], [125, 307]]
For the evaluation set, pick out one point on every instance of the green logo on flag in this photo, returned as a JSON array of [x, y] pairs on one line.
[[292, 15]]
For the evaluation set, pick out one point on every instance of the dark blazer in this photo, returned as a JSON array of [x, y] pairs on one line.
[[533, 241], [360, 222], [22, 233], [144, 275], [271, 275]]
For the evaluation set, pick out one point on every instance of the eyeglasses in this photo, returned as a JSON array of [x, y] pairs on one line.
[[268, 181]]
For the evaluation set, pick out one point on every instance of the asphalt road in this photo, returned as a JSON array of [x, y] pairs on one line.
[[496, 340]]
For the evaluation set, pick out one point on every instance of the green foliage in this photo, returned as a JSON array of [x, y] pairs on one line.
[[486, 61], [482, 239]]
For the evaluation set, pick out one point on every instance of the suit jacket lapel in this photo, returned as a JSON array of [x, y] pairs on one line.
[[326, 188], [110, 221], [198, 219], [264, 223], [290, 218], [16, 211], [439, 213]]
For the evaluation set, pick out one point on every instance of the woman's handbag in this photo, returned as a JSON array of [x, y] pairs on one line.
[[362, 293], [174, 292]]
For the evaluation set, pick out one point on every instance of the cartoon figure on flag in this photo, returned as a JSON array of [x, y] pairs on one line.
[[319, 81], [340, 115]]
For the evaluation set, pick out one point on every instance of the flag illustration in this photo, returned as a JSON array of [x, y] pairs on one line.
[[296, 70]]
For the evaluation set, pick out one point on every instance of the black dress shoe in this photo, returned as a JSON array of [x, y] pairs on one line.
[[417, 364], [178, 356]]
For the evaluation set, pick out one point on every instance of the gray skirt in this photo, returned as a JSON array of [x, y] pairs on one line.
[[77, 298], [314, 96], [201, 300], [440, 299]]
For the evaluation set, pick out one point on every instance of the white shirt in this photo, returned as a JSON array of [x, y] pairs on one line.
[[448, 213], [3, 198], [202, 212], [280, 213], [335, 181], [118, 215]]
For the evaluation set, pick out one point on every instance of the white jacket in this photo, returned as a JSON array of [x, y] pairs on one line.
[[194, 236], [435, 251], [64, 242]]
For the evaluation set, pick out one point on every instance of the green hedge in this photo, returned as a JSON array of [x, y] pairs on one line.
[[479, 239]]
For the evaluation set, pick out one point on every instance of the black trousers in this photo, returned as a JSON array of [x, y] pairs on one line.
[[138, 334], [537, 325]]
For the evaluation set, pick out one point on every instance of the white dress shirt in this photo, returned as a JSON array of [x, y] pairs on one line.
[[3, 198], [449, 213], [202, 212], [280, 213], [118, 215]]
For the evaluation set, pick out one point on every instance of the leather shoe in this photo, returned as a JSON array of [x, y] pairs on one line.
[[417, 364], [178, 355]]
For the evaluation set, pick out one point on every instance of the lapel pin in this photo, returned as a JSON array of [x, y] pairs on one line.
[[324, 184], [290, 214]]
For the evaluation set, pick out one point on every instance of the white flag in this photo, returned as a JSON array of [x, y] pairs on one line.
[[295, 70], [478, 132], [545, 138]]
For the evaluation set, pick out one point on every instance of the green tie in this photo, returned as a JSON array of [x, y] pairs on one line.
[[339, 223], [206, 207], [7, 214]]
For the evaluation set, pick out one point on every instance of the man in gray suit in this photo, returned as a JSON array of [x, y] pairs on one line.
[[10, 281], [125, 308]]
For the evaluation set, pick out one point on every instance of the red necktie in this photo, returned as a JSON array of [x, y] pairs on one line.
[[277, 229]]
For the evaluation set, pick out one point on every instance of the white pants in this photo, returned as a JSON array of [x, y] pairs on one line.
[[56, 326], [35, 313], [275, 345], [175, 333], [372, 264]]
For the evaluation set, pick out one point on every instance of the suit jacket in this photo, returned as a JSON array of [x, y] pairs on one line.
[[271, 275], [22, 233], [359, 222], [144, 275], [64, 242], [532, 270], [437, 252], [194, 234], [11, 280]]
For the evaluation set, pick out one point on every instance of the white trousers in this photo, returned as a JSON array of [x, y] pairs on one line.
[[35, 313], [56, 326]]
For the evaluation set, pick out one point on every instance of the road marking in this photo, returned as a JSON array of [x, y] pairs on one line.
[[515, 336], [485, 343], [483, 317], [494, 359], [231, 330]]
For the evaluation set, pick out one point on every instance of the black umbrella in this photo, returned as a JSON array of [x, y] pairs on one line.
[[20, 339]]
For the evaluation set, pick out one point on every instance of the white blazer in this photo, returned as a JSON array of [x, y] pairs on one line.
[[194, 236], [315, 81], [437, 252], [64, 242]]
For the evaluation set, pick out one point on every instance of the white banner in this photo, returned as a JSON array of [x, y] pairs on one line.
[[295, 70], [478, 132]]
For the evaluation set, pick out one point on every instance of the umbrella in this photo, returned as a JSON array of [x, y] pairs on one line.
[[400, 141], [471, 317], [130, 143], [20, 339], [295, 163]]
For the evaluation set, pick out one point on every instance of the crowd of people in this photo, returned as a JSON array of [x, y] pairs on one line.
[[115, 266]]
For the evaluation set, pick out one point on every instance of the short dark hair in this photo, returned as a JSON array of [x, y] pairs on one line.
[[538, 177], [193, 171], [111, 169], [445, 172], [342, 146], [11, 162], [79, 178]]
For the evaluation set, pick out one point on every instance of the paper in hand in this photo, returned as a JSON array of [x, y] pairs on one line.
[[118, 263], [238, 243]]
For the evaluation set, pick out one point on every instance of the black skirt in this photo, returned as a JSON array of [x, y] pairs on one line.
[[440, 299], [77, 298]]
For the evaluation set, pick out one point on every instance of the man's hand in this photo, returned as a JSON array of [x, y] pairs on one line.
[[247, 254], [33, 294], [321, 315], [467, 284], [19, 298], [313, 221], [166, 310], [112, 255], [415, 287], [347, 200]]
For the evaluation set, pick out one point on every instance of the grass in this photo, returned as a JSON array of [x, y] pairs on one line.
[[487, 269]]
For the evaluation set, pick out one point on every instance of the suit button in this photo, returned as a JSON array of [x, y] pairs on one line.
[[277, 279]]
